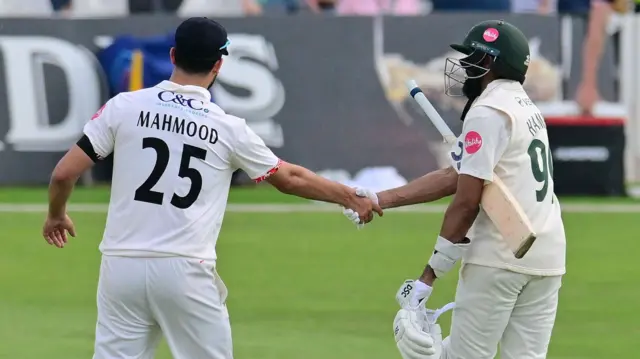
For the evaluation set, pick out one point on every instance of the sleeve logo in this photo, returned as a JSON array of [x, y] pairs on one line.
[[97, 114], [269, 172], [472, 142]]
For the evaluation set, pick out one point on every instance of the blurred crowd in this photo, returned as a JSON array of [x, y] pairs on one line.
[[597, 13], [101, 8]]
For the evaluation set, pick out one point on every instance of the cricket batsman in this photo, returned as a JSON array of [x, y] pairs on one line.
[[174, 155], [499, 299]]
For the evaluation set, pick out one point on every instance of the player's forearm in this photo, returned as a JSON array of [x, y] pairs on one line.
[[428, 188], [595, 41], [458, 220], [428, 276], [60, 189], [301, 182]]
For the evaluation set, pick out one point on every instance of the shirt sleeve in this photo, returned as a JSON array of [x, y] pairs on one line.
[[484, 139], [254, 157], [100, 130]]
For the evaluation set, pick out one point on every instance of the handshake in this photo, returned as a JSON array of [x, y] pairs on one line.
[[365, 203]]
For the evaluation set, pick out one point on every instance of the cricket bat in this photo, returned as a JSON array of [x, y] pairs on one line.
[[497, 201]]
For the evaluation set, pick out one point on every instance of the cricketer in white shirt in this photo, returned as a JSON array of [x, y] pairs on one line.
[[174, 155], [500, 300]]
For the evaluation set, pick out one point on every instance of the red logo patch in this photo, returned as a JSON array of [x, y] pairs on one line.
[[490, 35], [97, 114], [472, 142]]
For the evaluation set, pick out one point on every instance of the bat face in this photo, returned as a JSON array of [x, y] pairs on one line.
[[510, 219]]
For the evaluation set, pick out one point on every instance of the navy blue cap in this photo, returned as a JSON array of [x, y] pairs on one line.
[[201, 38]]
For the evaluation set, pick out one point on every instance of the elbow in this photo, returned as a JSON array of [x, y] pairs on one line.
[[466, 207], [286, 180], [286, 186], [60, 175]]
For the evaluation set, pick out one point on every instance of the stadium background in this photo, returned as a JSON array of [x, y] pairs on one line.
[[326, 92]]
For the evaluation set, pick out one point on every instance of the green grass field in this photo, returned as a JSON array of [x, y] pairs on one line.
[[306, 285]]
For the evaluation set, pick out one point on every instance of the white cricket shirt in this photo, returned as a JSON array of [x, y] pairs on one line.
[[504, 133], [174, 155]]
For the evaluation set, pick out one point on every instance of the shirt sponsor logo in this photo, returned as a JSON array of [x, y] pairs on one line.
[[170, 96], [472, 142]]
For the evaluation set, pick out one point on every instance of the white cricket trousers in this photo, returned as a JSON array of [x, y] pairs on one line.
[[494, 306], [141, 299]]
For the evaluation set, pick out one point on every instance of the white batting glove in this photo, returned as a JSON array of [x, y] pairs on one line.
[[413, 294], [416, 332], [354, 216]]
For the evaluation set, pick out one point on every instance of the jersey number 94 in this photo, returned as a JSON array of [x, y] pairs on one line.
[[541, 167]]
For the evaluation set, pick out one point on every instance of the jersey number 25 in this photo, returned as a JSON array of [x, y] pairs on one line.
[[144, 193]]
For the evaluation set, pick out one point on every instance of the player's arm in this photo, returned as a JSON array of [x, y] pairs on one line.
[[595, 39], [592, 49], [299, 181], [64, 177], [486, 134], [428, 188], [261, 164], [97, 142]]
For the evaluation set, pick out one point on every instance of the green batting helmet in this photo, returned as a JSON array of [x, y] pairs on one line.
[[508, 46]]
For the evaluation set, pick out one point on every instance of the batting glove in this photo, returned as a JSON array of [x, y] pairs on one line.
[[354, 216], [416, 332]]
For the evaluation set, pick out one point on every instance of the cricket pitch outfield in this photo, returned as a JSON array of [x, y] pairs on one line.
[[306, 284]]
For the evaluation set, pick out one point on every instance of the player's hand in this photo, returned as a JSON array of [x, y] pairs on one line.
[[413, 294], [55, 230], [587, 96], [415, 328], [364, 207], [352, 215], [412, 340]]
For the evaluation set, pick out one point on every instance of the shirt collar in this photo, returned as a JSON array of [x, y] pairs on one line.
[[198, 91], [505, 83]]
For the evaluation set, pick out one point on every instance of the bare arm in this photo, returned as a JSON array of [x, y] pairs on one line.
[[299, 181], [459, 217], [594, 42], [428, 188], [64, 177], [251, 7]]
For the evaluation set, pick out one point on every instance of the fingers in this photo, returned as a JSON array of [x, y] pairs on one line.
[[377, 209], [60, 238], [363, 209], [47, 238], [367, 217], [72, 230], [54, 237]]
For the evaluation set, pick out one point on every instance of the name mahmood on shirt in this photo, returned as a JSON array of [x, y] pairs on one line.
[[169, 123]]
